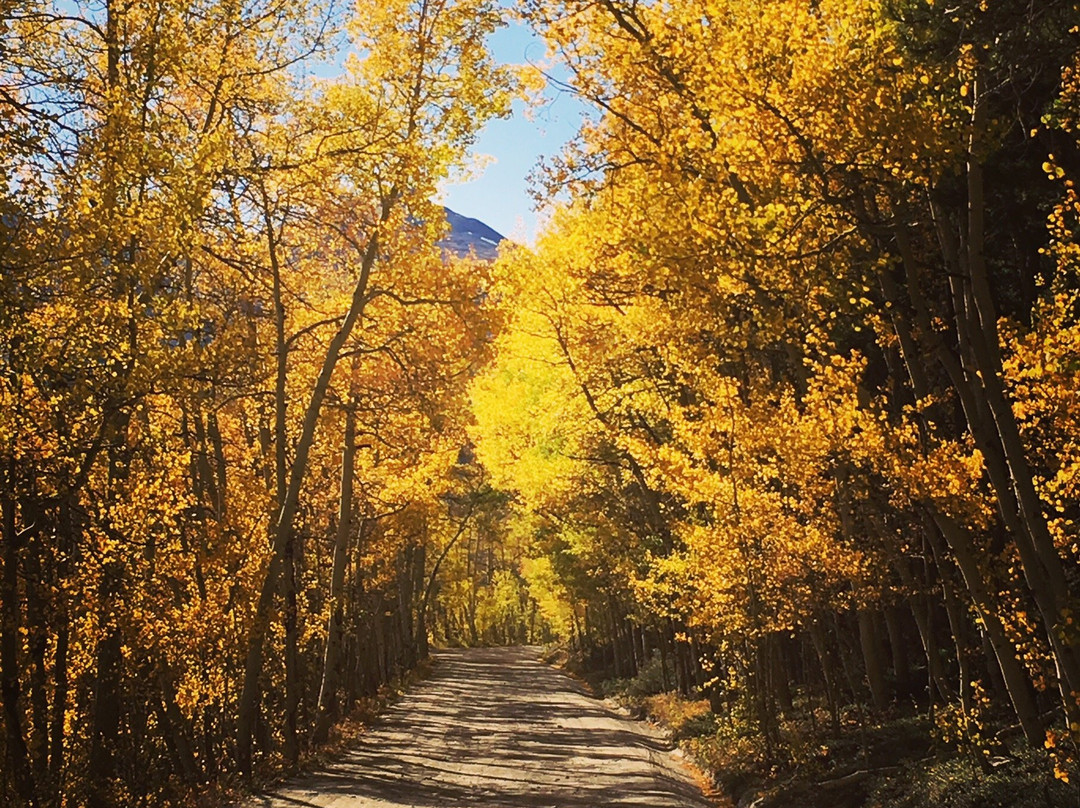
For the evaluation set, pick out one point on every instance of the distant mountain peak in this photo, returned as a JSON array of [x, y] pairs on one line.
[[470, 235]]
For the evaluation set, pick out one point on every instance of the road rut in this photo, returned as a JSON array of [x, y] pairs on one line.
[[496, 728]]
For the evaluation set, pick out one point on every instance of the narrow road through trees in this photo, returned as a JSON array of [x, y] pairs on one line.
[[496, 728]]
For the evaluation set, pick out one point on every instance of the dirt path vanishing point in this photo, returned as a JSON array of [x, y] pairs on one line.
[[496, 728]]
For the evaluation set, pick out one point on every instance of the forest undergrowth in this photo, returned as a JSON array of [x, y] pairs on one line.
[[895, 760]]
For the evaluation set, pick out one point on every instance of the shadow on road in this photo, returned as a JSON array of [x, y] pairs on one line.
[[495, 728]]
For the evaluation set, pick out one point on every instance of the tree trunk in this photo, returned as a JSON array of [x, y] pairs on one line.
[[955, 535], [987, 353], [283, 528], [979, 391], [292, 654], [661, 643], [60, 659], [780, 674], [434, 574], [821, 648], [105, 728], [901, 662], [328, 689], [406, 659], [420, 629], [175, 732], [39, 675], [921, 608], [871, 652], [1016, 679], [18, 758]]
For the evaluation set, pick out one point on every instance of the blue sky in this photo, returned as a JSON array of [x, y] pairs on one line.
[[499, 195]]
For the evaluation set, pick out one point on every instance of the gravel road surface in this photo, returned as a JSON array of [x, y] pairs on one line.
[[496, 728]]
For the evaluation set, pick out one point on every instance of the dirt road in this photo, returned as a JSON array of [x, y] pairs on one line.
[[496, 728]]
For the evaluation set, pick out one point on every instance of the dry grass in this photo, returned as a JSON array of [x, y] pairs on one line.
[[680, 716]]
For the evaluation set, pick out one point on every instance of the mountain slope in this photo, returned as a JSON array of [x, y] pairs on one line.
[[470, 234]]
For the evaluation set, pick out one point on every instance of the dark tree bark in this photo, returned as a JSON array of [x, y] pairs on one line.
[[328, 687], [284, 526], [18, 756], [105, 723]]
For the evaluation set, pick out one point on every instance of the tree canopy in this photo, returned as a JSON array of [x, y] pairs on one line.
[[784, 396]]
